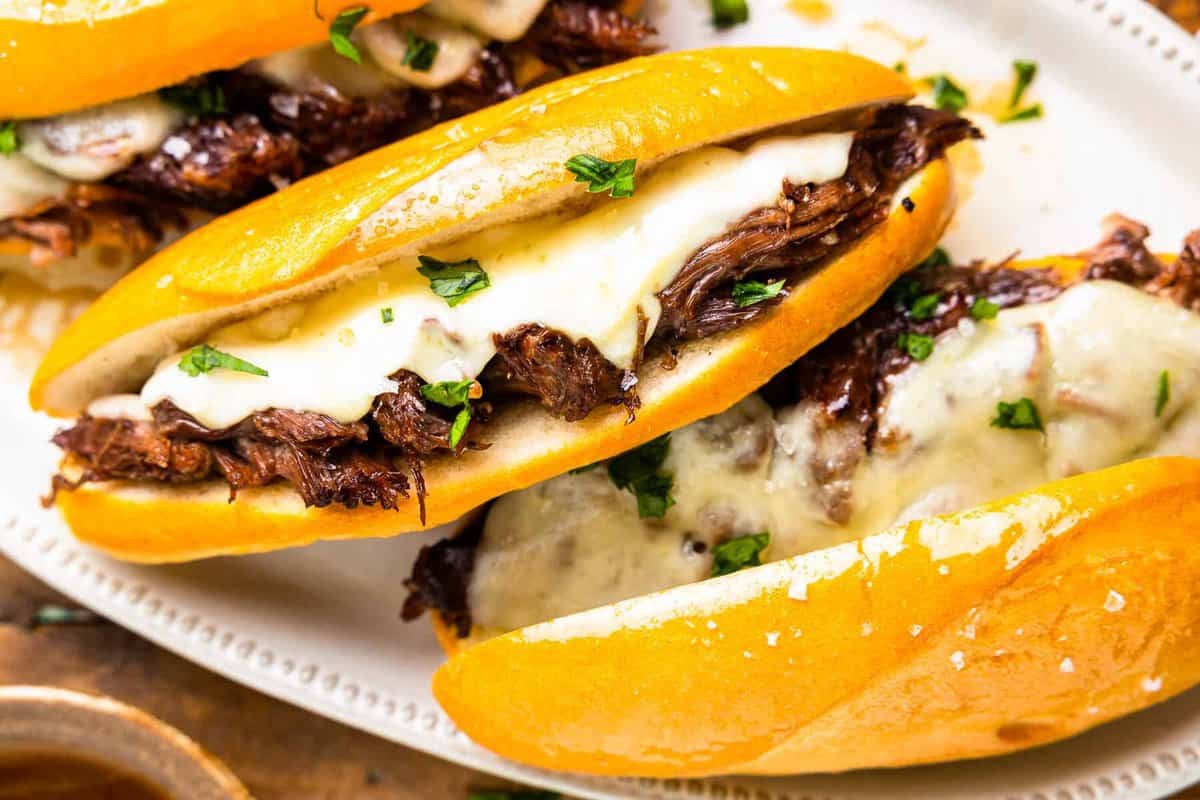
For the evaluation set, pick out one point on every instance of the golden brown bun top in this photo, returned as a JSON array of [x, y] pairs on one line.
[[494, 166], [66, 55]]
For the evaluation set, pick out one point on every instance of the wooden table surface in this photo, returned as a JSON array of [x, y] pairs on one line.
[[280, 752]]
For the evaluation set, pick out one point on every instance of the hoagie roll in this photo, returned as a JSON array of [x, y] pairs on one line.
[[961, 386], [124, 125], [477, 308]]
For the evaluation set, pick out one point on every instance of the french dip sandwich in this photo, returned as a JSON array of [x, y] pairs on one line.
[[975, 507], [543, 284], [122, 125]]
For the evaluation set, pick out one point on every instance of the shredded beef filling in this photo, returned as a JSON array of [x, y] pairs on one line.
[[370, 462], [271, 135], [847, 373], [216, 164], [846, 376], [441, 577], [573, 35], [56, 228], [569, 378], [809, 223]]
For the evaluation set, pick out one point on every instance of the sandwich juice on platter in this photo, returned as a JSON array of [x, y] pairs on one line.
[[122, 125], [878, 633], [544, 284]]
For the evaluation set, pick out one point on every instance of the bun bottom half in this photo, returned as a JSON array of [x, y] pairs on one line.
[[1015, 624]]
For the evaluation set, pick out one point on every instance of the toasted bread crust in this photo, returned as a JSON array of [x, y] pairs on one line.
[[155, 523], [1036, 618], [67, 56]]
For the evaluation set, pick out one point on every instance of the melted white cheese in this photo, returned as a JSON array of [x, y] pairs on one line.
[[586, 276], [387, 42], [459, 27], [23, 184], [91, 144], [319, 68], [575, 542], [506, 20], [1090, 360], [124, 406]]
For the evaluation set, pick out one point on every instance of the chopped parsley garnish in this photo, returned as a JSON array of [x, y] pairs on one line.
[[459, 427], [340, 30], [938, 258], [505, 795], [727, 13], [739, 553], [922, 307], [585, 468], [654, 496], [1025, 72], [452, 394], [639, 471], [983, 309], [900, 67], [1031, 112], [419, 52], [1164, 393], [614, 177], [62, 615], [386, 315], [905, 290], [9, 141], [747, 293], [948, 95], [917, 345], [201, 99], [203, 358], [1021, 415], [453, 280]]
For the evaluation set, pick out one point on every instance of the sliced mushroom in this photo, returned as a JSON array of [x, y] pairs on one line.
[[389, 41], [94, 143], [319, 69], [23, 184], [506, 20]]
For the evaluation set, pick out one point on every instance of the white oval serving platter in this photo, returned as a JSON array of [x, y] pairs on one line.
[[318, 626]]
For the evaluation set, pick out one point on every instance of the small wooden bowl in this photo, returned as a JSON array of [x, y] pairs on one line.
[[38, 719]]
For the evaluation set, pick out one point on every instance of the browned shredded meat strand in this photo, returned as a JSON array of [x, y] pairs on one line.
[[329, 462], [1123, 256], [574, 35], [216, 164], [488, 82], [569, 378], [55, 228], [405, 420], [441, 576], [810, 221]]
